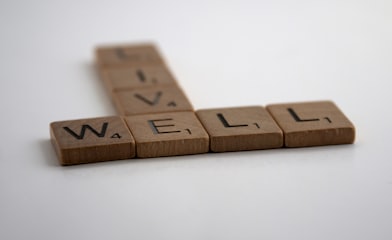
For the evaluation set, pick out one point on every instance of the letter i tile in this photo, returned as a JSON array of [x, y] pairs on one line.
[[127, 78], [92, 140]]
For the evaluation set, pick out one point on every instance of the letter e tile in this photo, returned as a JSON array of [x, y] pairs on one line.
[[312, 124], [92, 140], [168, 134], [241, 128]]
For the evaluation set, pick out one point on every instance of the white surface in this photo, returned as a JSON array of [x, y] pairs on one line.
[[224, 53]]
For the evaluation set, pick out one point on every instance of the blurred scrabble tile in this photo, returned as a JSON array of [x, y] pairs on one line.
[[127, 78], [128, 55], [241, 128], [168, 134], [312, 124], [92, 140], [151, 100]]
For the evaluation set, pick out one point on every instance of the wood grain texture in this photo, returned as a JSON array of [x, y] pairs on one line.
[[151, 100], [240, 128], [92, 140], [128, 78], [312, 124], [128, 55], [168, 134]]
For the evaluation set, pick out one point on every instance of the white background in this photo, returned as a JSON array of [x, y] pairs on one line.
[[223, 53]]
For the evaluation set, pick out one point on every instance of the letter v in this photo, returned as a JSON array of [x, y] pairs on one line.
[[148, 101]]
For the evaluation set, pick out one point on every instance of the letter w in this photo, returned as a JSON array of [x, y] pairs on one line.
[[83, 131]]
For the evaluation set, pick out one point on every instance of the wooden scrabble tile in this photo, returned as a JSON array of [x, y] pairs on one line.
[[92, 140], [128, 55], [128, 78], [168, 134], [241, 128], [312, 124], [151, 100]]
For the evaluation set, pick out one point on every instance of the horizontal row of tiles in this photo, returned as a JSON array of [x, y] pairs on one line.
[[217, 130]]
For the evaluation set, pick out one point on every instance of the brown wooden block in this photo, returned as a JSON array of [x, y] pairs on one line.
[[241, 128], [168, 134], [312, 124], [151, 100], [128, 55], [92, 140], [128, 78]]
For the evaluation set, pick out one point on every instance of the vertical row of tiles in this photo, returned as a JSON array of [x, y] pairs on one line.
[[139, 81], [157, 112]]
